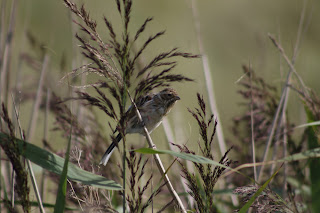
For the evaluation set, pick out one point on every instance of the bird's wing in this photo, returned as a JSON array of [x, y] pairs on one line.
[[130, 113]]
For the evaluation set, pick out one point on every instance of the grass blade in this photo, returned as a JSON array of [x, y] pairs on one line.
[[246, 207], [314, 165], [62, 190], [46, 205], [185, 156], [54, 163]]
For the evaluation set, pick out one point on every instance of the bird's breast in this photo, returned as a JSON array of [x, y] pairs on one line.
[[152, 121]]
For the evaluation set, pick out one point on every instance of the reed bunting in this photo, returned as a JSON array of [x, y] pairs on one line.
[[152, 107]]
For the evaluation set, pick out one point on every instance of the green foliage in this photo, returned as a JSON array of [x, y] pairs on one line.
[[35, 204], [62, 189], [120, 61], [185, 156], [54, 163], [314, 164]]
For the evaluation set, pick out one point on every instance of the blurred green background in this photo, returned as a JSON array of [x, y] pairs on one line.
[[233, 33]]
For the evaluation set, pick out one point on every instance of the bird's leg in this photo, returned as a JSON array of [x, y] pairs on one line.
[[143, 123]]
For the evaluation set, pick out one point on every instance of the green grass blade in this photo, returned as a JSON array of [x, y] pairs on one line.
[[186, 156], [46, 205], [54, 163], [246, 207], [314, 165], [312, 153], [62, 189], [314, 171]]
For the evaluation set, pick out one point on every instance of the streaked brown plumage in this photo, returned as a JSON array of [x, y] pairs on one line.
[[152, 107]]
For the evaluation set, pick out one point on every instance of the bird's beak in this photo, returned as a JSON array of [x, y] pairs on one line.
[[177, 98]]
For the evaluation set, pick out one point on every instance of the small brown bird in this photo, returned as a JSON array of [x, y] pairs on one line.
[[152, 107]]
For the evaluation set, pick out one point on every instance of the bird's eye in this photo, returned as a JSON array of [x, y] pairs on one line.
[[169, 95]]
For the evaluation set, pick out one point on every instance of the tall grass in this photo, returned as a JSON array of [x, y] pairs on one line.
[[265, 134]]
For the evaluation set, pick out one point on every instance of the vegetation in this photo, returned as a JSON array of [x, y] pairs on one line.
[[269, 165]]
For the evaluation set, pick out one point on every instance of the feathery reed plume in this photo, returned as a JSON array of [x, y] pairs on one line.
[[203, 194], [267, 201], [138, 193], [264, 100], [260, 103], [64, 117], [13, 153], [117, 63], [88, 147]]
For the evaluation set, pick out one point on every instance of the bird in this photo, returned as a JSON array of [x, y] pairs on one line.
[[152, 107]]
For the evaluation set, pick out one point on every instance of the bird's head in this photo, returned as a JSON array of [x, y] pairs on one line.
[[169, 97]]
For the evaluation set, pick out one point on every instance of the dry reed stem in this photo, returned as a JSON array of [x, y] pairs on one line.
[[208, 79], [167, 129], [169, 134], [32, 125], [45, 137], [37, 102], [2, 27], [282, 121], [12, 187], [273, 125], [249, 165], [252, 128], [12, 183], [209, 86], [32, 177], [5, 60], [158, 160], [285, 92], [285, 167]]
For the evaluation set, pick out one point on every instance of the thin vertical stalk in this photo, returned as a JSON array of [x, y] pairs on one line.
[[32, 125], [252, 129], [12, 187], [33, 179], [1, 181], [35, 187], [37, 102], [169, 135], [208, 78], [273, 125], [124, 176], [285, 91], [2, 27], [45, 137], [5, 60], [252, 132], [124, 155], [209, 86], [158, 160], [275, 147], [285, 167]]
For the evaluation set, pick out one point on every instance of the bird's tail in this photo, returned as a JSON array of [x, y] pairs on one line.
[[108, 153]]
